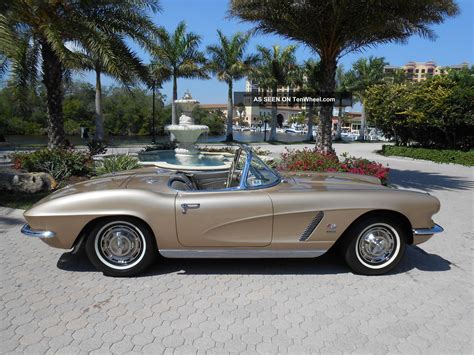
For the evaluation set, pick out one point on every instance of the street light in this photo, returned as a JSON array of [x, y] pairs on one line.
[[265, 130]]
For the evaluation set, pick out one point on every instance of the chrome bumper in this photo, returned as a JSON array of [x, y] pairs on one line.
[[428, 231], [26, 230]]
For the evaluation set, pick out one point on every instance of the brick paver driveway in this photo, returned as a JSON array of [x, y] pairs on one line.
[[54, 302]]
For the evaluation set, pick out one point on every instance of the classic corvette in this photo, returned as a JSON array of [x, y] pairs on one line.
[[249, 211]]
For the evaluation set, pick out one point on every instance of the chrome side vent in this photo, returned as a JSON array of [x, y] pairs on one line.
[[312, 226]]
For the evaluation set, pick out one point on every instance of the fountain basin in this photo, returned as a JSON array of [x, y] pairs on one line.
[[199, 161]]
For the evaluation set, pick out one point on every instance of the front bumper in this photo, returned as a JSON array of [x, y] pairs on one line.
[[36, 233], [428, 231], [421, 235]]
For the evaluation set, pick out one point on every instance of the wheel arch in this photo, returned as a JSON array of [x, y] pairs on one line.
[[400, 217], [85, 231]]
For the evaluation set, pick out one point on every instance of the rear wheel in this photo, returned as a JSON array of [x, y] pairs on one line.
[[121, 246], [374, 245]]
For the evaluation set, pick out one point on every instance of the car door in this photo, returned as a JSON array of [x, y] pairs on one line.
[[226, 218]]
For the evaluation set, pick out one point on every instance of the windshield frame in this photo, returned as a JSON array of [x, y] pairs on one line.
[[243, 179]]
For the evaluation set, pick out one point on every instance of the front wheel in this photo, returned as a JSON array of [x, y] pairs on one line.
[[121, 247], [374, 245]]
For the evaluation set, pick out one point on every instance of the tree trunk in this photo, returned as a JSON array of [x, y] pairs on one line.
[[309, 135], [52, 80], [273, 123], [99, 119], [362, 121], [230, 114], [174, 119], [328, 84]]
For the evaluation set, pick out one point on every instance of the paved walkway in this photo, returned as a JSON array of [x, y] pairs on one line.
[[54, 302]]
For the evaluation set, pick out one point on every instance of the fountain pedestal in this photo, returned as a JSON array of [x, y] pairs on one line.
[[186, 132]]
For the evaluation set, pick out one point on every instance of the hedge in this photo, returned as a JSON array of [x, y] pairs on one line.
[[437, 155]]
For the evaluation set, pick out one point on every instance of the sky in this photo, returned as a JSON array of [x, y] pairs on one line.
[[454, 43]]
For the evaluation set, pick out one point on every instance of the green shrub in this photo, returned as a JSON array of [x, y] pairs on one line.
[[116, 163], [96, 147], [59, 163], [436, 155]]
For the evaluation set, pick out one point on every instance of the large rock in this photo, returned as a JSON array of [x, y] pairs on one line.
[[13, 180]]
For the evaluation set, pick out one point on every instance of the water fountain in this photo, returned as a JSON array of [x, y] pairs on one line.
[[186, 156], [186, 132]]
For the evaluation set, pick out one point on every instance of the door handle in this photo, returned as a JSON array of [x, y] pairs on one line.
[[186, 206]]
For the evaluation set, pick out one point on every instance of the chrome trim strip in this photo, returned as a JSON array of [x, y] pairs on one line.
[[312, 226], [239, 253], [428, 231], [36, 233]]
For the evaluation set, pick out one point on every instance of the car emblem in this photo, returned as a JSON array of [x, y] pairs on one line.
[[331, 228]]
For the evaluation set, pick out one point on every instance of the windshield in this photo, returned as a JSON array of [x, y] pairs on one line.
[[260, 175]]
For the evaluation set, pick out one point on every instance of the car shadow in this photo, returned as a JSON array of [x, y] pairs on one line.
[[328, 264], [11, 221], [425, 181]]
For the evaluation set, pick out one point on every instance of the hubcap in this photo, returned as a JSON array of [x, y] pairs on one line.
[[377, 244], [120, 244]]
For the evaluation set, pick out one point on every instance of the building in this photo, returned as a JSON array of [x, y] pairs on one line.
[[418, 71], [253, 116]]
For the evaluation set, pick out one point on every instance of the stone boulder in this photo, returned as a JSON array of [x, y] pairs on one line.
[[17, 181]]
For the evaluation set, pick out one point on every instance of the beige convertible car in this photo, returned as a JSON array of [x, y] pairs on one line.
[[249, 211]]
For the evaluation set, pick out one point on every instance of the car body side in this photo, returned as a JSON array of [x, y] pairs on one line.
[[293, 205]]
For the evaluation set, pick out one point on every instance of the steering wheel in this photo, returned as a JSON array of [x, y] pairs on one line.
[[232, 168]]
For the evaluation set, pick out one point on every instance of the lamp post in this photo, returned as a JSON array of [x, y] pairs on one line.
[[153, 139], [265, 121]]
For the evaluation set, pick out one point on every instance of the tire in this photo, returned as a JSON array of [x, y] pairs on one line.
[[121, 246], [374, 245]]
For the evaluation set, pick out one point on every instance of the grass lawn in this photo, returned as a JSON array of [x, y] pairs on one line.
[[436, 155], [20, 200]]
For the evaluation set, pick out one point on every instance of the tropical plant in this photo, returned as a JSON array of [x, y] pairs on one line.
[[176, 56], [365, 73], [116, 163], [277, 67], [96, 147], [437, 112], [229, 62], [214, 119], [38, 33], [131, 69], [310, 76], [340, 88], [336, 27], [397, 76], [59, 163]]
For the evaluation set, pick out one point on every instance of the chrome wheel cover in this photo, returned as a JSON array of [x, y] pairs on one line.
[[377, 244], [120, 245]]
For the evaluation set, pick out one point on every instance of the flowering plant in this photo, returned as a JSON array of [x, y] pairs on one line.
[[312, 160]]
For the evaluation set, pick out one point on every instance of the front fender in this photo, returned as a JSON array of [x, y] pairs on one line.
[[69, 214]]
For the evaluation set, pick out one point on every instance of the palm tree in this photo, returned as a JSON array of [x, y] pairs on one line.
[[132, 69], [229, 62], [340, 88], [277, 67], [36, 34], [365, 73], [177, 56], [310, 76], [333, 28]]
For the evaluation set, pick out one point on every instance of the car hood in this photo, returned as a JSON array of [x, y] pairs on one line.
[[332, 181]]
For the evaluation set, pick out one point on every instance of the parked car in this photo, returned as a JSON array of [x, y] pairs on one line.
[[250, 211]]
